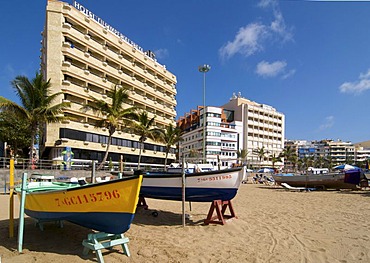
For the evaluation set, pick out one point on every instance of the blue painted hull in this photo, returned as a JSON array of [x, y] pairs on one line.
[[114, 223], [191, 194]]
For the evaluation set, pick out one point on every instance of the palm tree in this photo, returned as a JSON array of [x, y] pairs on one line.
[[261, 153], [328, 162], [307, 161], [37, 107], [294, 161], [290, 155], [115, 115], [144, 127], [14, 131], [275, 159], [319, 161], [242, 155], [194, 155], [170, 136]]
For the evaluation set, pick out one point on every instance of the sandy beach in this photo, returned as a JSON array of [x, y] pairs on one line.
[[273, 225]]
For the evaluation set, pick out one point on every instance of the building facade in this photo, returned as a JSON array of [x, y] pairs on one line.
[[325, 153], [263, 127], [240, 124], [221, 136], [84, 57], [341, 152]]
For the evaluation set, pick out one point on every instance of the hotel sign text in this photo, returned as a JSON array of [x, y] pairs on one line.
[[88, 13]]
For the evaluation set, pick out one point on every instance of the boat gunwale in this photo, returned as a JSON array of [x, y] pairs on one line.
[[179, 175], [40, 190]]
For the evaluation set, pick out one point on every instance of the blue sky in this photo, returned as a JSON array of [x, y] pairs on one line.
[[308, 59]]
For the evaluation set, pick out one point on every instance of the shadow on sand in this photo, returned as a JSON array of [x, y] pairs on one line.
[[53, 239], [161, 218]]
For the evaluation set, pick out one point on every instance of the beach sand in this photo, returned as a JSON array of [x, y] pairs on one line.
[[273, 225]]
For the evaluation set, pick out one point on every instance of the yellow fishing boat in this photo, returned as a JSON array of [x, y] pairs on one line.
[[108, 206]]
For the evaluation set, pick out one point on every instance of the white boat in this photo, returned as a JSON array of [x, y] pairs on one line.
[[199, 186], [36, 177]]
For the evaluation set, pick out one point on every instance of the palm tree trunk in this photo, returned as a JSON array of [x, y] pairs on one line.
[[33, 134], [106, 152], [165, 161], [138, 162], [31, 147]]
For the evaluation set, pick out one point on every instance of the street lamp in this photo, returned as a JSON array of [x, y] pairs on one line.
[[204, 69]]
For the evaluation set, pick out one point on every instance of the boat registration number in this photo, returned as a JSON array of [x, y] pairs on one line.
[[214, 178], [88, 198]]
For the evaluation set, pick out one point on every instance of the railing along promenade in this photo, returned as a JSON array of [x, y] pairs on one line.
[[49, 167]]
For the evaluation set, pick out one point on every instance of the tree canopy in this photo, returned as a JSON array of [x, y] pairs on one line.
[[38, 106]]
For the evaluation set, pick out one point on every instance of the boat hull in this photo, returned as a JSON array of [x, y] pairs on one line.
[[199, 187], [327, 181], [107, 207]]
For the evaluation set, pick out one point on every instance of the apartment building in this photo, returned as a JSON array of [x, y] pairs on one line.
[[221, 136], [341, 152], [362, 154], [238, 125], [263, 126], [337, 152], [84, 56]]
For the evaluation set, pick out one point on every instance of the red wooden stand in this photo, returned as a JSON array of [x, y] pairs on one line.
[[220, 207], [142, 202]]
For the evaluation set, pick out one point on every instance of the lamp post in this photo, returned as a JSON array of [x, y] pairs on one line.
[[204, 69]]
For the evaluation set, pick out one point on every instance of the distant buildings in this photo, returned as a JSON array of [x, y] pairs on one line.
[[84, 56], [241, 124], [323, 152]]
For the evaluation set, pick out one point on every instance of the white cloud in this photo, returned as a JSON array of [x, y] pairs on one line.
[[250, 39], [279, 27], [267, 3], [247, 41], [289, 74], [161, 53], [328, 123], [358, 86], [266, 69]]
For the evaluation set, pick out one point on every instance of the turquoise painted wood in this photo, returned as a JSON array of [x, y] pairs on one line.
[[101, 240], [21, 213]]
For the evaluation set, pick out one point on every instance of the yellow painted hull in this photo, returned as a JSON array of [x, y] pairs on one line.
[[107, 207]]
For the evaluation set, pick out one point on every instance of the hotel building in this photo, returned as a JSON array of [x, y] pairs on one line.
[[85, 57]]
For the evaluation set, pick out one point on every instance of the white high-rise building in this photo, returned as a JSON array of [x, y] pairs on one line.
[[238, 125], [263, 127], [221, 136]]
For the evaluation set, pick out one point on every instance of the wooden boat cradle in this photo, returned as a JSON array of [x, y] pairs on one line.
[[218, 206]]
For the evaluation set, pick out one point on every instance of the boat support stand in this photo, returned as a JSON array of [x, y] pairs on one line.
[[40, 223], [98, 241], [220, 207], [142, 203]]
